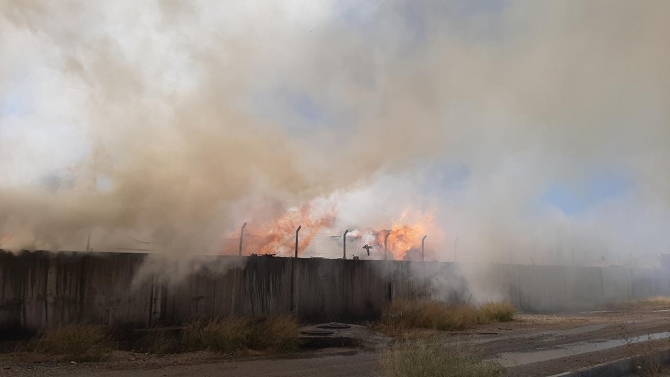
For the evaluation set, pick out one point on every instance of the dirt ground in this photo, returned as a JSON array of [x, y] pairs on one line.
[[551, 334]]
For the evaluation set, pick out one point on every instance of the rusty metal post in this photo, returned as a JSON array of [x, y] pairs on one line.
[[423, 241], [239, 252], [88, 241], [386, 243], [296, 240], [344, 239], [293, 270]]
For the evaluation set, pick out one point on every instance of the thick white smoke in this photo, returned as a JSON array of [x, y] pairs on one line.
[[180, 120]]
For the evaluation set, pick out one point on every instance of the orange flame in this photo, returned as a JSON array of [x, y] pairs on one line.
[[278, 236], [404, 238]]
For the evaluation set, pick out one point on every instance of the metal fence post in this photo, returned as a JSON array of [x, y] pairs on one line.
[[296, 240], [293, 270], [344, 242], [88, 241], [386, 242], [423, 249], [242, 238]]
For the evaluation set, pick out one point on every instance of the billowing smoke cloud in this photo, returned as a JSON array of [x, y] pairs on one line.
[[180, 120]]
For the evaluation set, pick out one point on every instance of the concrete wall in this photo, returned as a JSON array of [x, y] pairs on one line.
[[40, 289]]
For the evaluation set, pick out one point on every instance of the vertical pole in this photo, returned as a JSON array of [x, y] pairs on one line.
[[293, 270], [296, 240], [88, 241], [241, 238], [93, 187], [386, 244], [151, 298], [423, 249], [344, 242]]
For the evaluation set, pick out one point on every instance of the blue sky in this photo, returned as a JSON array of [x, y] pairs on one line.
[[18, 102], [574, 198]]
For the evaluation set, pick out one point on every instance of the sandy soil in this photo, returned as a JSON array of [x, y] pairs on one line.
[[527, 333]]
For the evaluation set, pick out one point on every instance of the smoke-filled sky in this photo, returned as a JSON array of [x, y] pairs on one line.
[[531, 130]]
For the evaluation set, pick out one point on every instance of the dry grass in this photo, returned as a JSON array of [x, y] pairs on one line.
[[645, 303], [649, 365], [492, 312], [159, 343], [648, 362], [79, 343], [84, 343], [401, 315], [228, 335], [655, 301], [422, 359]]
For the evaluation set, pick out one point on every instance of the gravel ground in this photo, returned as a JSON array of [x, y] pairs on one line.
[[330, 363]]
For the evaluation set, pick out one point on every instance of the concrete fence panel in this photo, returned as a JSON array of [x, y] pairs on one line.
[[41, 289]]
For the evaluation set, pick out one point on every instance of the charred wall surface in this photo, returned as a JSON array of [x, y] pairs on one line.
[[40, 289]]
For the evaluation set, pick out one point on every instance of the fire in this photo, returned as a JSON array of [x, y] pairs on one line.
[[403, 238], [278, 236]]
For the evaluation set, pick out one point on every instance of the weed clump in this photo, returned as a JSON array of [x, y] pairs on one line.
[[657, 302], [422, 359], [492, 312], [92, 343], [228, 335], [406, 314], [76, 342], [159, 343]]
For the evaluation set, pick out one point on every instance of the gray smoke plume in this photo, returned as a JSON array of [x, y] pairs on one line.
[[200, 116]]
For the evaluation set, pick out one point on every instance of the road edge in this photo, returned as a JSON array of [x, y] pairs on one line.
[[618, 368]]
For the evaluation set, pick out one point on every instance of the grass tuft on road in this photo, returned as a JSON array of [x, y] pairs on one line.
[[424, 359]]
